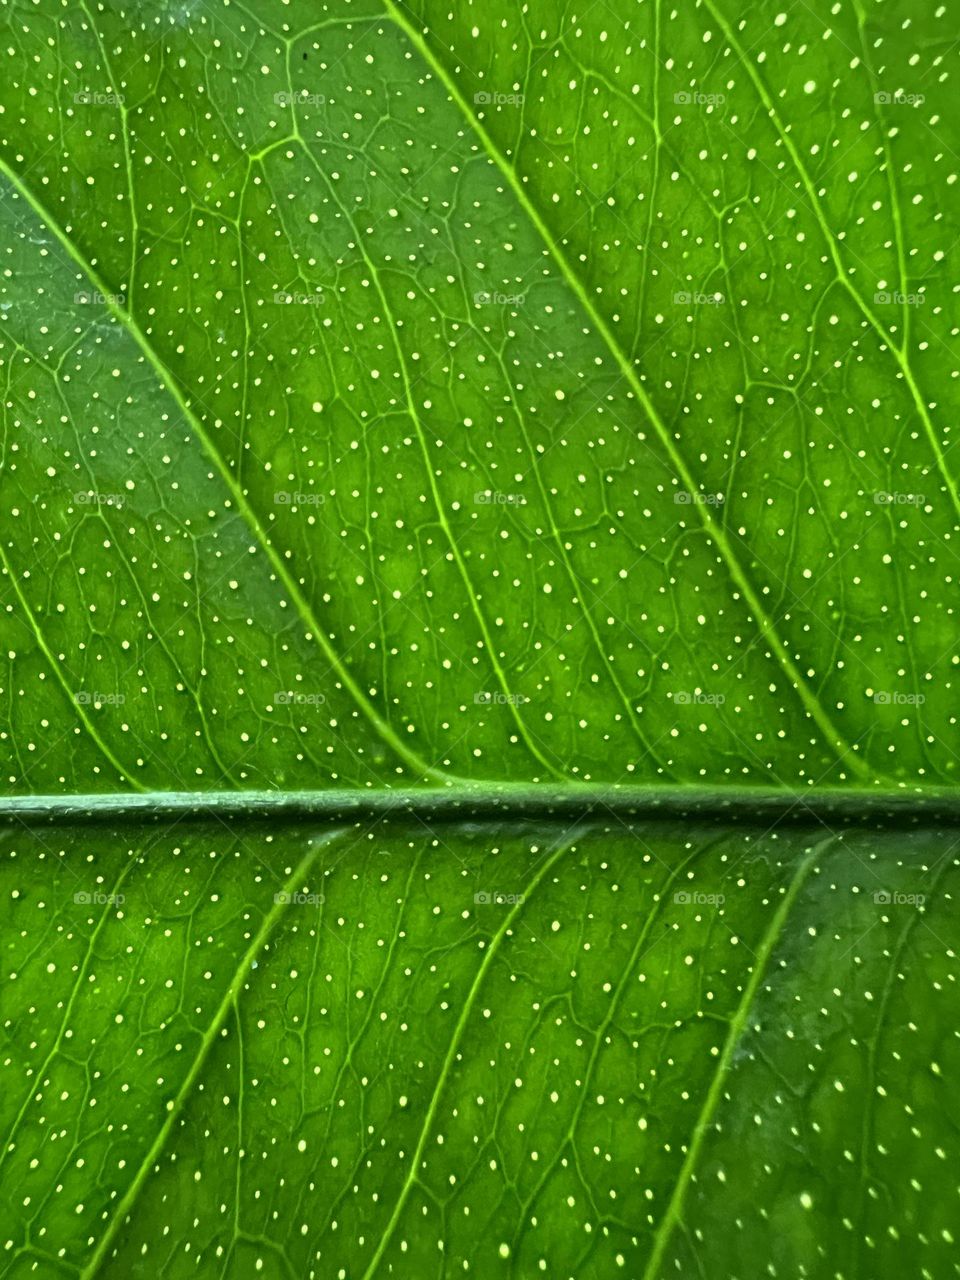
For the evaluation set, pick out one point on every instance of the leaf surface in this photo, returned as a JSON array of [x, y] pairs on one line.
[[483, 495], [455, 434], [645, 1051]]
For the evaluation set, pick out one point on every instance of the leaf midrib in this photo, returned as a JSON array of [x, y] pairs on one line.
[[909, 806]]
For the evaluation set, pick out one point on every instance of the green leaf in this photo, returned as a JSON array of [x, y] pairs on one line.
[[658, 1052], [455, 451], [613, 616]]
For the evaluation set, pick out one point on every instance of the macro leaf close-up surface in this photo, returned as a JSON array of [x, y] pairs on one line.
[[634, 1052], [478, 712]]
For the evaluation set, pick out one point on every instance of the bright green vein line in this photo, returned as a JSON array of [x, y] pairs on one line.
[[209, 1037], [58, 671], [713, 528], [414, 416], [280, 569], [56, 1045], [413, 1172], [843, 276], [674, 1210]]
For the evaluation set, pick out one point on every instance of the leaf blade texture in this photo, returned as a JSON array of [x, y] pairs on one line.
[[477, 520]]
